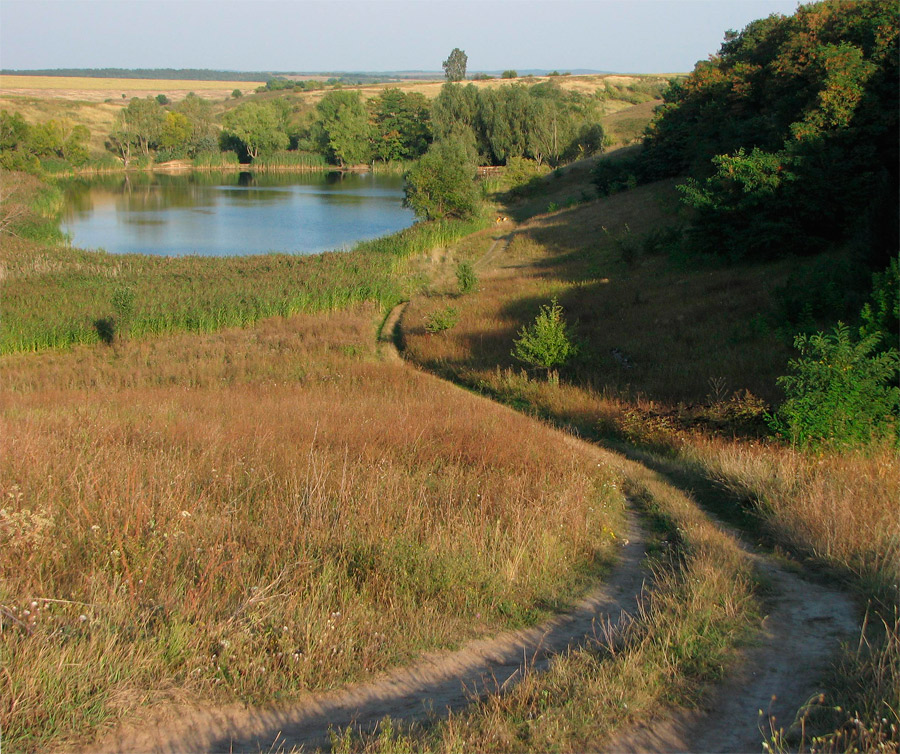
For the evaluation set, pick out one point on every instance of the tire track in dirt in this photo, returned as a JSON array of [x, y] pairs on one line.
[[772, 681], [437, 683]]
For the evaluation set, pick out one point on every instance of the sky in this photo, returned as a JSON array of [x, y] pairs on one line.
[[637, 36]]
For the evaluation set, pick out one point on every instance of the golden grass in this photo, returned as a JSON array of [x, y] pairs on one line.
[[686, 631], [841, 509], [65, 86], [254, 513]]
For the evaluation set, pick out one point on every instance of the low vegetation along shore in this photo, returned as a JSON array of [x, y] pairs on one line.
[[217, 487]]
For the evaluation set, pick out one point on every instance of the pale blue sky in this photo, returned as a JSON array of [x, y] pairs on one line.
[[642, 36]]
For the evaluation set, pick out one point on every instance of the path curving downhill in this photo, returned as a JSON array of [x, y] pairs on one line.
[[777, 675], [433, 686]]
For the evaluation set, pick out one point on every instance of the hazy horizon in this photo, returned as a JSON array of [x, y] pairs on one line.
[[642, 36]]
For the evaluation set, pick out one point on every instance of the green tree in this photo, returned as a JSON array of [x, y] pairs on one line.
[[402, 125], [257, 126], [510, 74], [442, 183], [199, 112], [546, 343], [176, 133], [455, 65], [142, 121], [343, 127], [840, 393]]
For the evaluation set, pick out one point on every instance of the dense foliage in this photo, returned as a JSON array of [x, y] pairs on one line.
[[442, 183], [839, 393], [790, 135], [24, 147], [542, 121]]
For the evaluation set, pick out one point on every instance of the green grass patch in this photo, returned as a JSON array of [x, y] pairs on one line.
[[193, 293]]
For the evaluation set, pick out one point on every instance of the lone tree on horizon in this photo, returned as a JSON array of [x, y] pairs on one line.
[[455, 65]]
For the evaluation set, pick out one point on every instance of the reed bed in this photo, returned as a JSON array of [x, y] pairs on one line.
[[199, 294], [259, 512], [291, 161]]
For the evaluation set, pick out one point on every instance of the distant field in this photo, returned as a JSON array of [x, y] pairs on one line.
[[99, 89]]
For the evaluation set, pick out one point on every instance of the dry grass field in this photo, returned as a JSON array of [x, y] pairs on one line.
[[673, 356], [84, 89], [679, 359], [259, 512]]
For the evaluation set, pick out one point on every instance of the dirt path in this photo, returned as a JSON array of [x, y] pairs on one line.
[[439, 682], [777, 675]]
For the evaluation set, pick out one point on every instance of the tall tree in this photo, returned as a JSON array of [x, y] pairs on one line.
[[455, 65], [442, 183], [343, 126], [258, 126]]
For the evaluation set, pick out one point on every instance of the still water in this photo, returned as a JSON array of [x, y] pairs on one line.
[[224, 214]]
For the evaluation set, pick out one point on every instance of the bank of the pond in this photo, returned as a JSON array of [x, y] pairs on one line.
[[98, 296]]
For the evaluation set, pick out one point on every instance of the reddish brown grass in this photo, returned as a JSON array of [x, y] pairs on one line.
[[263, 511]]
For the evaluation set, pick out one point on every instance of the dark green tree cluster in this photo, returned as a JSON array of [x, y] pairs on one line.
[[790, 135], [24, 146], [146, 127], [541, 122]]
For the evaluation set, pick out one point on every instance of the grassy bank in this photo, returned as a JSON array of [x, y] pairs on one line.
[[97, 296], [258, 512]]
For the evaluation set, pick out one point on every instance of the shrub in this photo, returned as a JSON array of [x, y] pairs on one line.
[[466, 278], [237, 93], [510, 74], [442, 183], [546, 343], [840, 393], [123, 305], [442, 319]]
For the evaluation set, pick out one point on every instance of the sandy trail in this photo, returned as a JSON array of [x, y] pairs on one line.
[[777, 676], [439, 682]]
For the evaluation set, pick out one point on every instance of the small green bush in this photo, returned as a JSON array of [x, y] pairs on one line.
[[840, 393], [546, 343], [123, 305], [466, 279], [442, 319]]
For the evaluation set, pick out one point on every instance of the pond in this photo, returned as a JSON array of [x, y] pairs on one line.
[[232, 214]]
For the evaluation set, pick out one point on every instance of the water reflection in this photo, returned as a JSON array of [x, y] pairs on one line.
[[232, 213]]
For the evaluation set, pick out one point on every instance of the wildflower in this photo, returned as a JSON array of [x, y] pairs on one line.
[[82, 617], [95, 527], [185, 514]]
